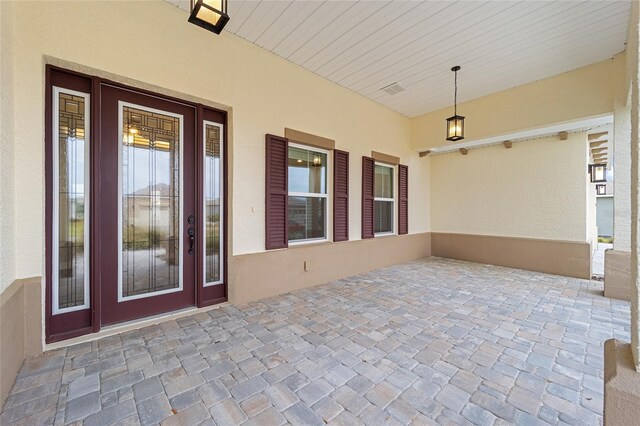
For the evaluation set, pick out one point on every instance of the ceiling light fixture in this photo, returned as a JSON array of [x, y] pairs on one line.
[[455, 123], [209, 14]]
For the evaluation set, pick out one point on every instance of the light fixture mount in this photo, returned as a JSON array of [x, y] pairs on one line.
[[455, 123]]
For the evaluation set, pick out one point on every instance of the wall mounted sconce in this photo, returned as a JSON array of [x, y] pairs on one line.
[[598, 172], [601, 189], [209, 14]]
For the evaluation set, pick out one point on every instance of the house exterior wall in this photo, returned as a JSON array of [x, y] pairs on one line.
[[265, 93], [536, 189], [584, 92], [7, 154]]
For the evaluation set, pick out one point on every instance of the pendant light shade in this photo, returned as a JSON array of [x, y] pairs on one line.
[[455, 123], [209, 14]]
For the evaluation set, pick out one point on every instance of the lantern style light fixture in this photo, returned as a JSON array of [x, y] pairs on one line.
[[598, 172], [209, 14], [601, 189], [455, 123]]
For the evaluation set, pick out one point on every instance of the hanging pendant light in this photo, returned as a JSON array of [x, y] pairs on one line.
[[455, 123], [601, 189], [209, 14]]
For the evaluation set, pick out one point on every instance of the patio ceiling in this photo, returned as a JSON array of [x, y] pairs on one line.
[[367, 45]]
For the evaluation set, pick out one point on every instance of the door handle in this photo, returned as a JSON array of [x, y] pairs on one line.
[[192, 238]]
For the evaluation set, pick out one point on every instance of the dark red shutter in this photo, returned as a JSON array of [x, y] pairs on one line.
[[403, 199], [276, 195], [340, 195], [368, 172]]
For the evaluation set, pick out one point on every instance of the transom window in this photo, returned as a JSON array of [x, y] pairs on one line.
[[384, 201], [307, 168]]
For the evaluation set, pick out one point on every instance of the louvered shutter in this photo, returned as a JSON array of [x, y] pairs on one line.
[[403, 199], [340, 195], [276, 195], [368, 173]]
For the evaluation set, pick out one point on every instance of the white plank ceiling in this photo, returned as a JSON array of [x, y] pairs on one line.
[[369, 44]]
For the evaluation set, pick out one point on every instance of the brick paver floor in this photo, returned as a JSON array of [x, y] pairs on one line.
[[431, 341]]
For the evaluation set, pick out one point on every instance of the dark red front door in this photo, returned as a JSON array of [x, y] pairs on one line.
[[146, 214]]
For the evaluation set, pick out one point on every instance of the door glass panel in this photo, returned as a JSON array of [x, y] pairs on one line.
[[71, 201], [213, 175], [150, 211]]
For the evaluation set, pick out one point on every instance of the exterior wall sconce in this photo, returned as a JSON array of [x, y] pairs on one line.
[[209, 14], [601, 189], [455, 123], [598, 172]]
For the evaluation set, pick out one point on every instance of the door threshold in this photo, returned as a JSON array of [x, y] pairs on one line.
[[111, 330]]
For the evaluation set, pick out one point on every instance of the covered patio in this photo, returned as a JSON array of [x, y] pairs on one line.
[[429, 341]]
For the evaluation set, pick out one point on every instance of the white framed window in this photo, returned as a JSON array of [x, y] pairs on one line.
[[384, 199], [308, 202]]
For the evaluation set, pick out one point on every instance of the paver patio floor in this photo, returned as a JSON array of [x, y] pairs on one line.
[[432, 341]]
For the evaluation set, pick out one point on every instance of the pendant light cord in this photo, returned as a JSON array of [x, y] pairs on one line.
[[455, 93]]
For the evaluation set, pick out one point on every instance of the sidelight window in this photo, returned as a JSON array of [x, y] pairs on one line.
[[70, 254], [213, 206]]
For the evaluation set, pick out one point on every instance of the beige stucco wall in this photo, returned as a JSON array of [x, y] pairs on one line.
[[7, 170], [632, 70], [585, 92], [266, 93], [536, 189]]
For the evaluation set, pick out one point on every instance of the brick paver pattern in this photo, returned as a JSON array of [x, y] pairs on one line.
[[428, 342]]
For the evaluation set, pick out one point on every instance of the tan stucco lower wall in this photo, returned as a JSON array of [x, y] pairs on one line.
[[621, 385], [567, 258], [617, 274], [20, 329], [258, 275]]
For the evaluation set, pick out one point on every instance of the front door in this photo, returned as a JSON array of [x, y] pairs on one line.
[[146, 205]]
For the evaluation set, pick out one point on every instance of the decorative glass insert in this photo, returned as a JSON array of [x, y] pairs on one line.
[[213, 208], [384, 199], [307, 193], [151, 208], [71, 143]]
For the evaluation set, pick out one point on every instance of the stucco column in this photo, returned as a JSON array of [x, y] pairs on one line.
[[632, 70], [621, 150]]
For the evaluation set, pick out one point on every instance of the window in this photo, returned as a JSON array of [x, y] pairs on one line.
[[70, 256], [307, 202], [384, 202]]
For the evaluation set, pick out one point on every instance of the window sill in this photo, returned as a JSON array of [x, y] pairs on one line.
[[384, 234], [324, 241]]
